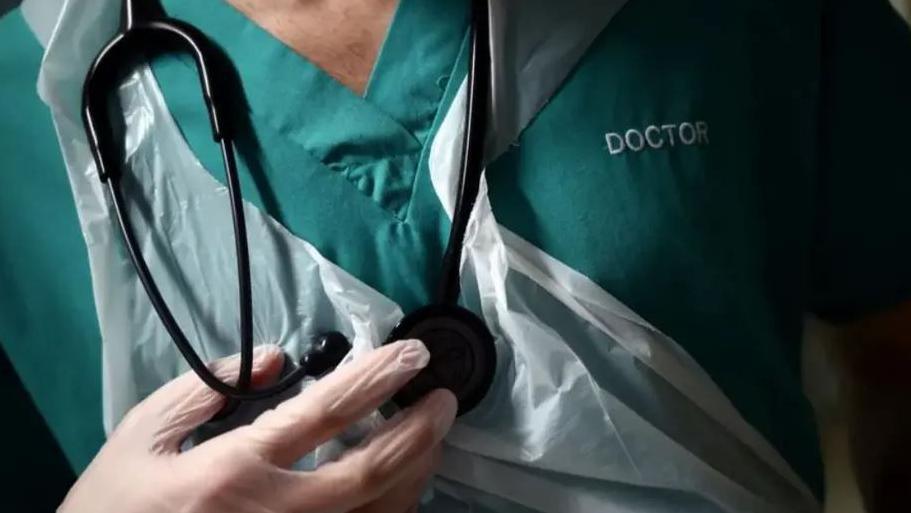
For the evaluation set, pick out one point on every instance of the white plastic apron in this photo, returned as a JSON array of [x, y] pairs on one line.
[[592, 409]]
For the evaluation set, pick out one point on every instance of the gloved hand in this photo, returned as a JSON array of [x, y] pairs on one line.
[[140, 468]]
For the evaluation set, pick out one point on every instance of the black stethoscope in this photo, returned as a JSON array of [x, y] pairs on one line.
[[463, 355]]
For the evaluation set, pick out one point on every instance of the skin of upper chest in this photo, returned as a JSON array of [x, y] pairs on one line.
[[343, 37]]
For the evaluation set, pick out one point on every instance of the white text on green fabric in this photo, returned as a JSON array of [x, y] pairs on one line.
[[655, 137]]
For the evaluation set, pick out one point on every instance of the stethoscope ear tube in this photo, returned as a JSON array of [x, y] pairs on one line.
[[472, 164], [140, 37], [314, 362]]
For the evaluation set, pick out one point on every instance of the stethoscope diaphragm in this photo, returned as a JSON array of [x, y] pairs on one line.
[[463, 356]]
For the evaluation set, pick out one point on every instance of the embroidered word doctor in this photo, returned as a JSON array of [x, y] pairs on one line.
[[658, 136]]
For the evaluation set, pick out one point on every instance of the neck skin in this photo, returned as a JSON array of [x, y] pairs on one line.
[[343, 37]]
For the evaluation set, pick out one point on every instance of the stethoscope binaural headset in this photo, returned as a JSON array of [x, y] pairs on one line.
[[463, 356]]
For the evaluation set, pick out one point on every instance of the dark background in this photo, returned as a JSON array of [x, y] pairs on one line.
[[34, 473], [6, 5]]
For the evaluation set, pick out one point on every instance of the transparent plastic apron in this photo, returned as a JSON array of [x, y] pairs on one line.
[[592, 409]]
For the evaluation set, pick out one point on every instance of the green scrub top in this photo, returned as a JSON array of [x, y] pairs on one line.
[[720, 167]]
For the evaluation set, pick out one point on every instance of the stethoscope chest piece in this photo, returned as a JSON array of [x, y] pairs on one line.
[[463, 357]]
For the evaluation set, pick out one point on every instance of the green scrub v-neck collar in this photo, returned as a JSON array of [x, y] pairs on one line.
[[375, 141], [348, 174], [413, 67]]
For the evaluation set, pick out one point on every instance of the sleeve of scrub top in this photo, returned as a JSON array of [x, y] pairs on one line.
[[861, 259]]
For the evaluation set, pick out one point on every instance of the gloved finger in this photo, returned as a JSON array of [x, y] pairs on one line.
[[405, 495], [165, 418], [341, 398], [373, 468]]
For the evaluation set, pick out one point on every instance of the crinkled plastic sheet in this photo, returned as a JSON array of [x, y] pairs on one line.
[[592, 409]]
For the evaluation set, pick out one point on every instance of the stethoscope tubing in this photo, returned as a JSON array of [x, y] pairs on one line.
[[473, 143], [448, 287], [241, 390]]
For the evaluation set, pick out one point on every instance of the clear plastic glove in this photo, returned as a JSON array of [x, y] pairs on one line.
[[141, 469]]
